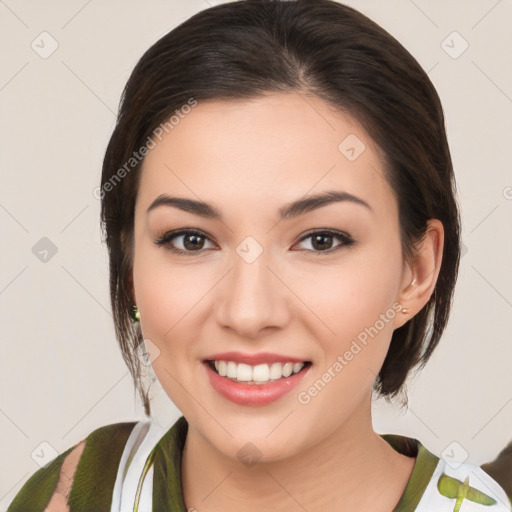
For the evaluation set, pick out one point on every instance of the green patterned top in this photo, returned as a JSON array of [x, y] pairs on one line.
[[434, 485]]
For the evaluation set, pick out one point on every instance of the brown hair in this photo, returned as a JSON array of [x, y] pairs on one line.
[[248, 48]]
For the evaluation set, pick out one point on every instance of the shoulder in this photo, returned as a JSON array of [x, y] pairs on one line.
[[83, 475], [500, 469], [446, 485]]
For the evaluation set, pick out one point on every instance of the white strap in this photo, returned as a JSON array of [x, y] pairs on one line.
[[143, 438]]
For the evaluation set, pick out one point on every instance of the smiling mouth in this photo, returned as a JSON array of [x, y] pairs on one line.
[[257, 374]]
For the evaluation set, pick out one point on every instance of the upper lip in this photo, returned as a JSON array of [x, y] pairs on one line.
[[254, 359]]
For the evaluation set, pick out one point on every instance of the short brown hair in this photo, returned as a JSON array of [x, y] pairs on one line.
[[244, 49]]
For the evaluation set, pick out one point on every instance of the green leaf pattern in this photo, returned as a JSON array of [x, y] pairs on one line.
[[452, 488]]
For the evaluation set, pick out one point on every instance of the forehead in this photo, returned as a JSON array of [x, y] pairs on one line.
[[263, 151]]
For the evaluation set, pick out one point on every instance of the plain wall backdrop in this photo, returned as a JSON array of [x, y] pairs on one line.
[[63, 67]]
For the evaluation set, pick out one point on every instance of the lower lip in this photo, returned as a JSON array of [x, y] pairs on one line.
[[253, 394]]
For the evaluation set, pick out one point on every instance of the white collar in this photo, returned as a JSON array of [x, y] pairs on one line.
[[143, 438]]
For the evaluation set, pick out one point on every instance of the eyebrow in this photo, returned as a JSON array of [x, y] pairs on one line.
[[290, 210]]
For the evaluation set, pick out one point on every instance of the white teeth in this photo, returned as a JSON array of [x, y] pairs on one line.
[[276, 371], [231, 372], [222, 368], [287, 369], [244, 372], [259, 374]]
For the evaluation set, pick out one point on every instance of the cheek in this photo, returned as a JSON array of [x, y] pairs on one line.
[[173, 302], [355, 302], [167, 297], [163, 296], [355, 306]]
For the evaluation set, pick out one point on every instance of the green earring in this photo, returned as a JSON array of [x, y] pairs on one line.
[[135, 314]]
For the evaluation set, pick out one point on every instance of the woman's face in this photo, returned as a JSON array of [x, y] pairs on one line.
[[256, 288]]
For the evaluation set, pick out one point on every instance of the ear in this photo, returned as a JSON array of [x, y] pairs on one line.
[[420, 275]]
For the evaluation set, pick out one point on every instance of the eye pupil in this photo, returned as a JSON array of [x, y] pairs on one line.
[[320, 239], [196, 241]]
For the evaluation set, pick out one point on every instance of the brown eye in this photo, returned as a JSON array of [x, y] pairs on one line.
[[183, 241], [322, 241], [192, 242]]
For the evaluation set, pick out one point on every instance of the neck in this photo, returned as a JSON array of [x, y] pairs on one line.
[[354, 468]]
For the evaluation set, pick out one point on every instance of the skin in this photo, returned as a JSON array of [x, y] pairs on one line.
[[250, 158]]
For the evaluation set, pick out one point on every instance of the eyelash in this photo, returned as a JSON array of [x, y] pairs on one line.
[[166, 238]]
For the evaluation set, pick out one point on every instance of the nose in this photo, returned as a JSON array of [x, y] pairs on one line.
[[253, 298]]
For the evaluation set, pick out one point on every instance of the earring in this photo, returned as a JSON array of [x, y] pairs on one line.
[[135, 314]]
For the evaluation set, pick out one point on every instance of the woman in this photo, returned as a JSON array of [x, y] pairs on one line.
[[279, 207]]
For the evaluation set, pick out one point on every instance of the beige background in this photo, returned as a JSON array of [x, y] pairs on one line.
[[61, 372]]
